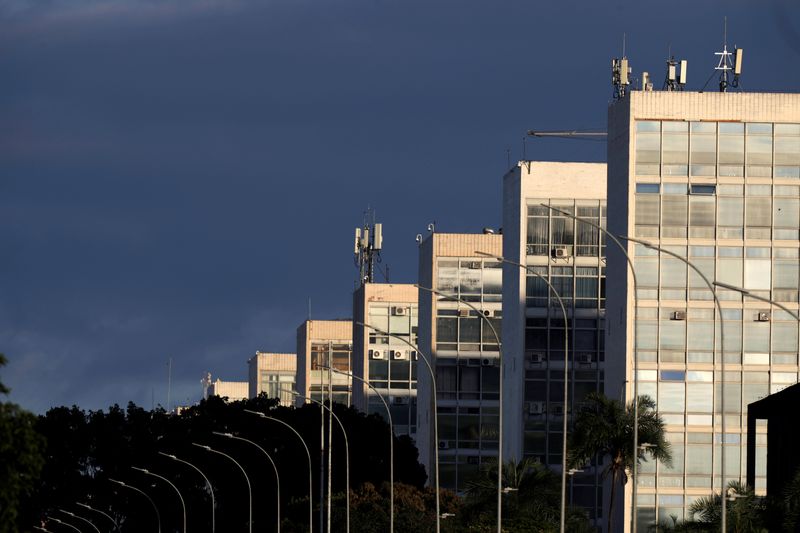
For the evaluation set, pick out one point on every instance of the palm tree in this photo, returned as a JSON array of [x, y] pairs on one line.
[[745, 510], [604, 429]]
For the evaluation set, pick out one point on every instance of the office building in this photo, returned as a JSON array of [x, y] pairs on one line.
[[713, 177], [323, 344], [229, 390], [463, 351], [571, 256], [272, 374], [386, 362]]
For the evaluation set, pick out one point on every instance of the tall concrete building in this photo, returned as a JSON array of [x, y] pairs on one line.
[[324, 343], [271, 373], [714, 177], [386, 362], [571, 256], [463, 352]]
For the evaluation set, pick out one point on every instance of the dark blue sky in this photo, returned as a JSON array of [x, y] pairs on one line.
[[178, 177]]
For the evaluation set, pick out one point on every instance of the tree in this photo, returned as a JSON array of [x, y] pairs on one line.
[[604, 429], [745, 510], [20, 459]]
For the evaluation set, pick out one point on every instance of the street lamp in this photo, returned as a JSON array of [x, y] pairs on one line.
[[57, 521], [89, 507], [274, 467], [183, 504], [247, 479], [143, 493], [500, 395], [435, 409], [210, 487], [346, 455], [749, 294], [73, 515], [391, 442], [722, 353], [308, 453], [623, 249], [552, 289], [42, 529]]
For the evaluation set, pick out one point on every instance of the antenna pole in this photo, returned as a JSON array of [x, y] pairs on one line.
[[169, 384], [367, 247]]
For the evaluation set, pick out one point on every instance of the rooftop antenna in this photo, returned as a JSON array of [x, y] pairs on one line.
[[367, 247], [728, 63], [676, 79], [620, 73]]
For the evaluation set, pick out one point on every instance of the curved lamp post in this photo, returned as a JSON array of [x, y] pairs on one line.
[[274, 467], [435, 409], [61, 522], [171, 484], [346, 449], [210, 487], [562, 523], [143, 493], [42, 529], [500, 396], [247, 479], [624, 251], [73, 515], [722, 366], [308, 453], [89, 507], [391, 442]]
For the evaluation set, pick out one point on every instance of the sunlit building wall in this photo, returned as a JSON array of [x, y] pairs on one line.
[[273, 374], [323, 344]]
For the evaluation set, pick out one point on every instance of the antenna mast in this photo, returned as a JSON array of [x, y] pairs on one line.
[[726, 63], [620, 73], [367, 247]]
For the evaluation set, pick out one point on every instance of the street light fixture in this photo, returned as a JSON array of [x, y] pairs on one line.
[[73, 515], [143, 493], [749, 294], [346, 453], [391, 440], [61, 522], [308, 453], [210, 487], [247, 479], [500, 395], [89, 507], [274, 467], [183, 504], [427, 362]]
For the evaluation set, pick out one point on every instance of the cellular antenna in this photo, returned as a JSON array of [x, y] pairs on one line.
[[728, 61], [620, 73], [676, 78], [367, 247]]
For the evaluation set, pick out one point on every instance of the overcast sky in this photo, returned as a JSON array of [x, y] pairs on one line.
[[177, 178]]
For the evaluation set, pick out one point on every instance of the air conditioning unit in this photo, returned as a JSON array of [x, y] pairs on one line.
[[535, 408], [398, 311], [444, 445], [562, 252], [678, 315], [463, 313], [487, 362], [375, 354], [584, 358], [762, 316], [474, 265], [398, 355], [537, 357], [400, 400], [558, 409]]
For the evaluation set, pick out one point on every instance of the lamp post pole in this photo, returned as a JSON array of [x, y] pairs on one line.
[[562, 522], [274, 467], [391, 443], [624, 250], [749, 294], [183, 504], [210, 487], [346, 450], [500, 396], [308, 453], [89, 507], [73, 515], [710, 285], [247, 479], [143, 493], [435, 410]]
